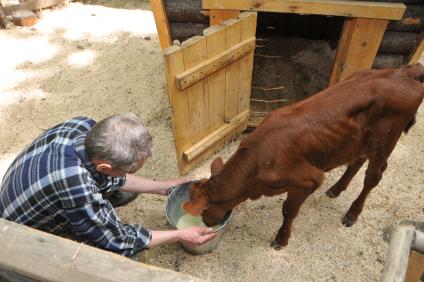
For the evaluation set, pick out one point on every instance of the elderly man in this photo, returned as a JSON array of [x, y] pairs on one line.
[[71, 176]]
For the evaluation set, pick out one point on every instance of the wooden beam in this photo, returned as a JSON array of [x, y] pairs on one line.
[[31, 255], [398, 254], [215, 136], [418, 50], [358, 46], [374, 10], [208, 67], [219, 16], [162, 25]]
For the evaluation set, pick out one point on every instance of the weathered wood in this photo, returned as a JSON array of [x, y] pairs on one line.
[[3, 18], [219, 16], [395, 42], [357, 48], [391, 11], [418, 51], [415, 267], [31, 5], [31, 255], [185, 11], [412, 20], [398, 254], [215, 136], [183, 31], [206, 68], [388, 61], [161, 22]]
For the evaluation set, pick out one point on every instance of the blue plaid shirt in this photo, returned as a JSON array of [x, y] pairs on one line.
[[53, 186]]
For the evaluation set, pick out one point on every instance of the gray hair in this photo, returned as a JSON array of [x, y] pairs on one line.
[[120, 139]]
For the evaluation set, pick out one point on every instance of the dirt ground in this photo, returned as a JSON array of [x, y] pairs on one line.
[[104, 58]]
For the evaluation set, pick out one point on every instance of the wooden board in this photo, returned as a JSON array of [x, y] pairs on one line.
[[219, 16], [161, 21], [208, 77], [31, 255], [415, 268], [375, 10], [357, 48], [217, 62]]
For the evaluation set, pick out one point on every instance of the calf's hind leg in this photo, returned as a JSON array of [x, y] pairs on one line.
[[373, 175], [341, 185]]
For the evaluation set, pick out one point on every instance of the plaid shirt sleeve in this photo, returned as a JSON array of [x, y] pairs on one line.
[[96, 223]]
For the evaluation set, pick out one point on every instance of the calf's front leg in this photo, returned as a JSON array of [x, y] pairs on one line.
[[291, 206]]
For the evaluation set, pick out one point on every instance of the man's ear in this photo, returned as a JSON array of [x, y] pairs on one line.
[[216, 166], [197, 207], [103, 167]]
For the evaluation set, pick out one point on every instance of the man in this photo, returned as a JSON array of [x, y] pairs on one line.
[[68, 180]]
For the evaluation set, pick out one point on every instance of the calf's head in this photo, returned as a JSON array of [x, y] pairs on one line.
[[201, 201]]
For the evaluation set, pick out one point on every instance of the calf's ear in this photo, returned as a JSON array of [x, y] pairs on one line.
[[216, 166], [196, 207]]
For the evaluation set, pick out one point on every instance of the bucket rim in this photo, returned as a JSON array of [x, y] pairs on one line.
[[226, 220]]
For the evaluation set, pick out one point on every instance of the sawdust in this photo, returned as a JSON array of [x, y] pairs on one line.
[[108, 61]]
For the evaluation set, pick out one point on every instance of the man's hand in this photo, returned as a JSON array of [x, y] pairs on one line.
[[197, 235], [168, 184]]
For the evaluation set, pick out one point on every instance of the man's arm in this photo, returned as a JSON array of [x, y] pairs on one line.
[[139, 184], [192, 235]]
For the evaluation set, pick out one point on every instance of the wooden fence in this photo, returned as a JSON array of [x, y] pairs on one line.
[[209, 84]]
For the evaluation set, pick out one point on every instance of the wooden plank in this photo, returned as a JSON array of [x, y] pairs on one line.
[[194, 52], [217, 62], [374, 10], [198, 148], [31, 255], [217, 17], [415, 267], [216, 44], [179, 102], [161, 21], [248, 30], [358, 46], [418, 50]]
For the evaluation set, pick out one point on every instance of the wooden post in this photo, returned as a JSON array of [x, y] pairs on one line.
[[415, 267], [418, 50], [398, 254], [162, 25], [358, 46]]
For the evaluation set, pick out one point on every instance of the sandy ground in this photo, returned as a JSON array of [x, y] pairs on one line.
[[101, 59]]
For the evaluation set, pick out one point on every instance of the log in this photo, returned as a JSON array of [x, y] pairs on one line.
[[3, 18], [185, 11], [412, 20], [183, 31], [396, 42], [388, 61]]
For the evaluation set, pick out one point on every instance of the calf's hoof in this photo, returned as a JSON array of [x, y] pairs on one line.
[[276, 246], [331, 194], [348, 221]]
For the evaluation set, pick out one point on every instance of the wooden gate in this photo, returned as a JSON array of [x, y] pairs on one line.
[[209, 84]]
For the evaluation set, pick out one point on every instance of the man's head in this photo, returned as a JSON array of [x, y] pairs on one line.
[[119, 144]]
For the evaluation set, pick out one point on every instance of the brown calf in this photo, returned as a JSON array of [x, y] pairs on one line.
[[358, 119]]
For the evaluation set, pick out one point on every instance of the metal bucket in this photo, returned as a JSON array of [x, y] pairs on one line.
[[176, 197]]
